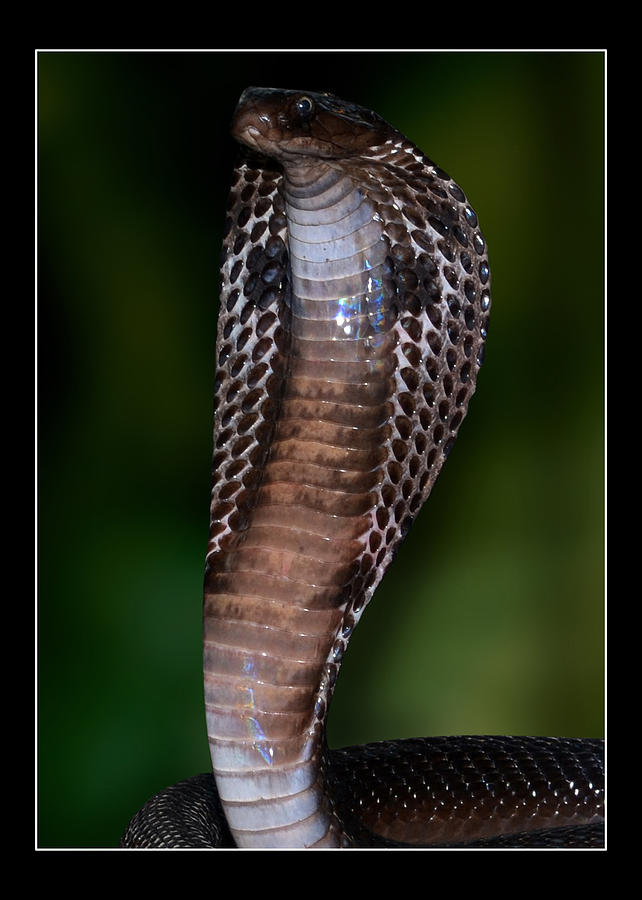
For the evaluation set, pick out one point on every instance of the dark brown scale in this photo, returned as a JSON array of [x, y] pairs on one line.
[[426, 775]]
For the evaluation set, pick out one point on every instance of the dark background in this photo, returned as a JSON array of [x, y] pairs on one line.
[[491, 619]]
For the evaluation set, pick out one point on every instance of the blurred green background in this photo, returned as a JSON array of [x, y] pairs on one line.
[[491, 619]]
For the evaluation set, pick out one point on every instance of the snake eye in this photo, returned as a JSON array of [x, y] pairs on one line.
[[304, 107]]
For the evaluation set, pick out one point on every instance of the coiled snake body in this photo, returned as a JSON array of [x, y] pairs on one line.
[[354, 310]]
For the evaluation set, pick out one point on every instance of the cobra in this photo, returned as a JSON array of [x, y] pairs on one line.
[[355, 295]]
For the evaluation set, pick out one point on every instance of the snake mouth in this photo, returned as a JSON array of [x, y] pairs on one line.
[[251, 136], [275, 142]]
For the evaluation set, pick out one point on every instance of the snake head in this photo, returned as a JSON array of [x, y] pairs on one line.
[[292, 126]]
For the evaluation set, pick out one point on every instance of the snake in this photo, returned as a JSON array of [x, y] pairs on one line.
[[354, 307]]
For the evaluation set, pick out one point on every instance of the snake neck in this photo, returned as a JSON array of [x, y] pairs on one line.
[[278, 590]]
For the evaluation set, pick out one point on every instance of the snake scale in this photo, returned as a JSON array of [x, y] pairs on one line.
[[355, 294]]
